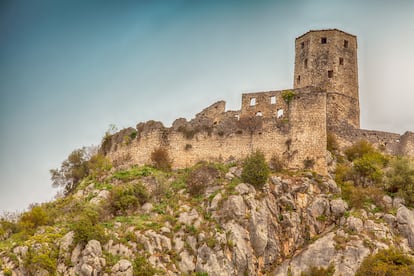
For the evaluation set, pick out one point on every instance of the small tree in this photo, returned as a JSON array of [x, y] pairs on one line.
[[255, 169], [71, 172], [79, 164]]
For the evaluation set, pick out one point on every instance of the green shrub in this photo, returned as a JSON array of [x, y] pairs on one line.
[[319, 271], [127, 197], [142, 267], [161, 159], [201, 177], [86, 227], [358, 149], [255, 169], [44, 257], [34, 218], [288, 96], [387, 262], [360, 197], [133, 173], [399, 179], [7, 228], [133, 135], [98, 165], [368, 169]]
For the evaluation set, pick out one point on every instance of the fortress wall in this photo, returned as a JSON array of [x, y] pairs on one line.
[[341, 109], [308, 132], [391, 143], [302, 136], [407, 144], [202, 147], [263, 104]]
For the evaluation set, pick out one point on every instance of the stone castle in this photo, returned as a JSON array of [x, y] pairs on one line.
[[291, 124]]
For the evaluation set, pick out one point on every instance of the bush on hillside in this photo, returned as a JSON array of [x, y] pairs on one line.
[[387, 262], [319, 271], [399, 180], [364, 167], [86, 227], [127, 197], [255, 169], [368, 169], [161, 159], [359, 149], [32, 219], [200, 178]]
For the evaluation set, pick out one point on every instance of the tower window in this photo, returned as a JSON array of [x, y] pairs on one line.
[[341, 61], [346, 43], [273, 100], [306, 63], [302, 45], [252, 101], [279, 113], [330, 73], [298, 79], [323, 40]]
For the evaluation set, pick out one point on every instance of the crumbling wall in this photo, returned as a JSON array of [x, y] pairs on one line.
[[263, 104], [391, 143], [216, 135], [407, 144]]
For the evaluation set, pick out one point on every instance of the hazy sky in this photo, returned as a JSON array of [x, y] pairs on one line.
[[69, 69]]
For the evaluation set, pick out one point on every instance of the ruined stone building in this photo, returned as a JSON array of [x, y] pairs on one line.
[[291, 124]]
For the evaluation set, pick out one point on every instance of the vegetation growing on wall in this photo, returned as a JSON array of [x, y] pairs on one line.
[[288, 95]]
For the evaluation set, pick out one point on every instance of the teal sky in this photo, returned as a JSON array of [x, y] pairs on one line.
[[69, 69]]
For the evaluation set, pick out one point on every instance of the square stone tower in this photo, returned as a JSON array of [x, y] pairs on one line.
[[328, 59]]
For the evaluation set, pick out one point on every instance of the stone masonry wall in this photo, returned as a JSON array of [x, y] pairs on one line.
[[391, 143], [328, 59], [299, 135]]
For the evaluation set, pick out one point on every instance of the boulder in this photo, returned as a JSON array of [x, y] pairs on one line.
[[122, 268], [405, 224], [338, 207]]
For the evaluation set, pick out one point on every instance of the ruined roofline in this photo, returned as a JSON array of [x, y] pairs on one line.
[[324, 30], [305, 89]]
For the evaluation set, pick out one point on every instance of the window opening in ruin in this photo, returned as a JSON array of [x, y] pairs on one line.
[[273, 100], [323, 40], [298, 79], [279, 113], [341, 61], [306, 63], [345, 43], [252, 101], [330, 74], [259, 114], [302, 45], [237, 116]]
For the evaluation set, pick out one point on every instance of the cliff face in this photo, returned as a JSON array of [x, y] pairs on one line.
[[291, 225]]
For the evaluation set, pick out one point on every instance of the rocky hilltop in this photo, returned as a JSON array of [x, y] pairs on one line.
[[206, 220]]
